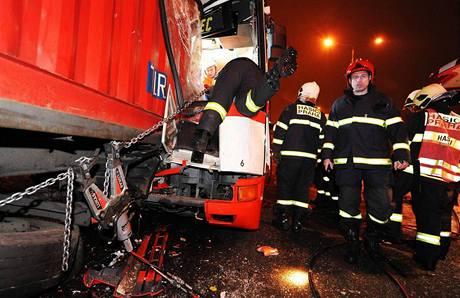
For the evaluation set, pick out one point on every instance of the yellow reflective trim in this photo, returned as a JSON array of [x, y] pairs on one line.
[[325, 178], [442, 138], [250, 103], [417, 137], [305, 122], [298, 154], [372, 161], [284, 202], [392, 121], [300, 204], [439, 163], [212, 105], [335, 198], [367, 120], [328, 194], [396, 217], [382, 222], [427, 238], [321, 137], [282, 125], [318, 160], [328, 146], [320, 191], [346, 215], [397, 146], [340, 161], [332, 123], [409, 169], [278, 141], [444, 234]]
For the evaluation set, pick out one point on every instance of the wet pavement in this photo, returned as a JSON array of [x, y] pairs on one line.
[[221, 262]]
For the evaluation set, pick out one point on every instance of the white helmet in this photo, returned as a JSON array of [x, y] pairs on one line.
[[207, 63], [410, 99], [308, 90]]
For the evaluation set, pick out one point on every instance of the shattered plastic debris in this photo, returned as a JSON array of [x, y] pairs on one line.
[[118, 255], [213, 288], [268, 250]]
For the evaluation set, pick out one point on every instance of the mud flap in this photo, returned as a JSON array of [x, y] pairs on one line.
[[134, 278]]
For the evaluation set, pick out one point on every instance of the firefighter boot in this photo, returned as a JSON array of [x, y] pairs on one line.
[[353, 246], [282, 220], [200, 143], [299, 217], [372, 242]]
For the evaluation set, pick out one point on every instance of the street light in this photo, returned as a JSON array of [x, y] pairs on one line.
[[329, 42]]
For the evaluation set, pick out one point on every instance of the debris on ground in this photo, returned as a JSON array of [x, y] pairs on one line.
[[268, 250]]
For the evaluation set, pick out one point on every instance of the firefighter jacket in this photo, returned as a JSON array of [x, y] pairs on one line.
[[435, 145], [365, 131], [299, 131]]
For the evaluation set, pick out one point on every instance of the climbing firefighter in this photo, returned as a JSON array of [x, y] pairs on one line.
[[241, 81], [402, 183], [436, 155], [362, 132], [296, 141]]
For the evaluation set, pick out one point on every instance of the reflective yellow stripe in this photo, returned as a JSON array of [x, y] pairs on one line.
[[377, 220], [300, 204], [367, 120], [335, 198], [216, 107], [305, 122], [409, 169], [328, 194], [445, 234], [396, 217], [320, 191], [250, 103], [346, 215], [394, 120], [325, 178], [442, 138], [282, 125], [284, 202], [298, 154], [440, 163], [321, 137], [328, 146], [397, 146], [278, 141], [372, 161], [332, 123], [417, 137], [318, 160], [427, 238], [319, 150], [340, 161]]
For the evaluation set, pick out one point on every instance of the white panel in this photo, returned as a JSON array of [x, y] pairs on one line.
[[242, 145]]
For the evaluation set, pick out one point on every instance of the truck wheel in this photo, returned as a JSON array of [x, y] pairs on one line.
[[31, 255]]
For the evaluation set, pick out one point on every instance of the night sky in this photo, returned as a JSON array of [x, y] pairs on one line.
[[420, 37]]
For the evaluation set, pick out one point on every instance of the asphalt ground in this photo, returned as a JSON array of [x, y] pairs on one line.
[[222, 262]]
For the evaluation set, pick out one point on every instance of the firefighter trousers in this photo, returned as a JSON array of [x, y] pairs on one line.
[[402, 184], [432, 207], [294, 177], [376, 195]]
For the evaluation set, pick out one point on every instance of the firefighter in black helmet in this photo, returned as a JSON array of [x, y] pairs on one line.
[[296, 142], [362, 132], [240, 81]]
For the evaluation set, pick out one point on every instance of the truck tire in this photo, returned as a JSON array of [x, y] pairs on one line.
[[31, 255]]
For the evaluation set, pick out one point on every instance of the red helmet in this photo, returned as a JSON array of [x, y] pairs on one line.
[[360, 64]]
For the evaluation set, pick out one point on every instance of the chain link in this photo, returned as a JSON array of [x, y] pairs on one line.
[[107, 176], [68, 221]]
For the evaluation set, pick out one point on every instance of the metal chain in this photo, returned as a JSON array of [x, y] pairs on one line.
[[69, 175], [68, 221], [106, 177], [164, 120]]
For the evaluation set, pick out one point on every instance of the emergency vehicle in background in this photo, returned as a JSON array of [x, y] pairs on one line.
[[75, 75]]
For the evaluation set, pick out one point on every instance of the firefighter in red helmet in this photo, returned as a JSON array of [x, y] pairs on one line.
[[435, 131], [364, 133]]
